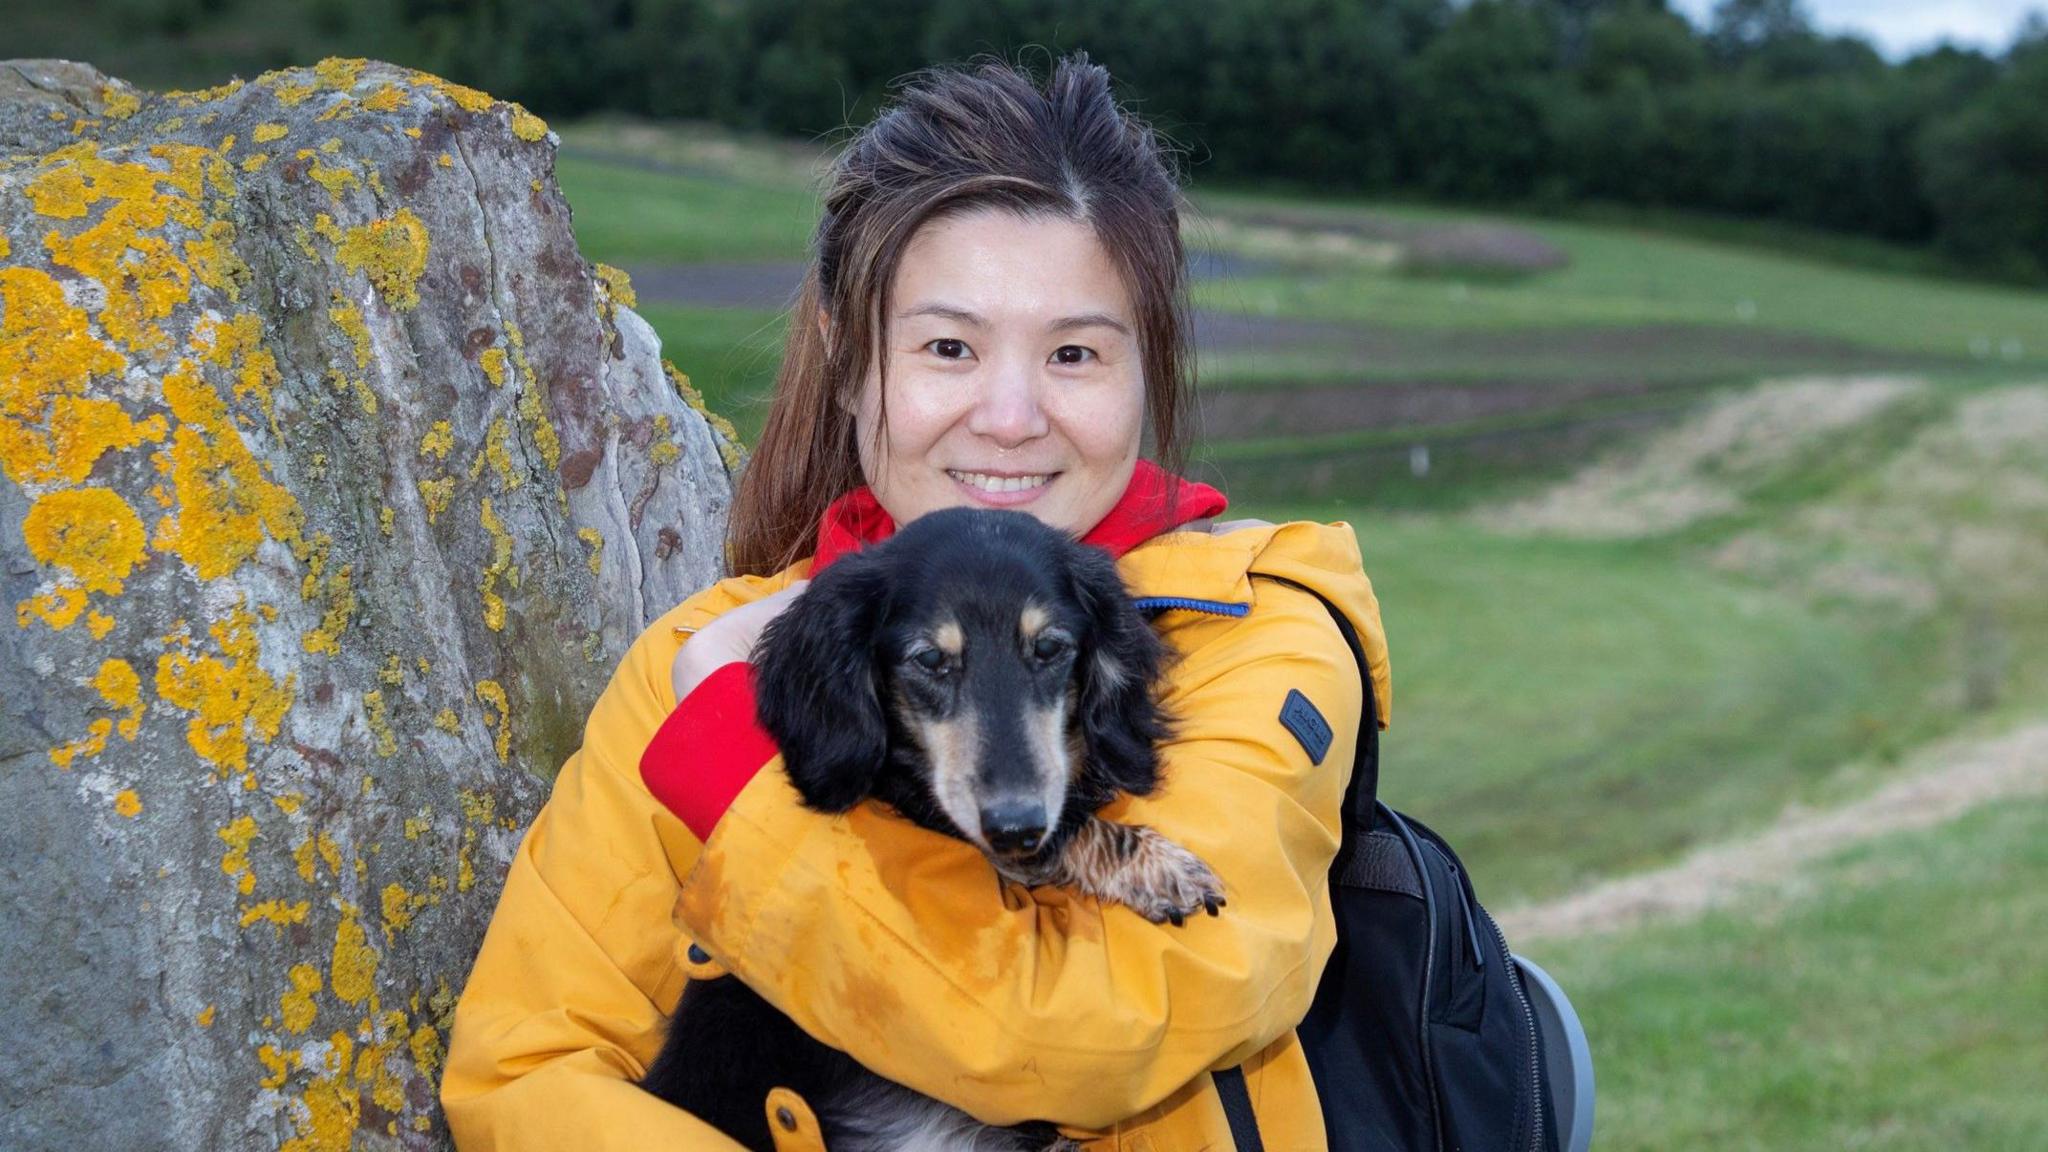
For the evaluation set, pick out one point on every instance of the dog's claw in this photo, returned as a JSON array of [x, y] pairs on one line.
[[1212, 902], [1176, 917]]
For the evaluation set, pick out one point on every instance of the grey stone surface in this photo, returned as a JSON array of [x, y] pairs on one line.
[[333, 484]]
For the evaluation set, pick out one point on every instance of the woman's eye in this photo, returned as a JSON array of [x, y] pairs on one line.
[[1072, 354], [930, 659], [948, 349]]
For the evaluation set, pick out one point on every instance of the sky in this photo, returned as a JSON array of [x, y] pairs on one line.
[[1901, 28]]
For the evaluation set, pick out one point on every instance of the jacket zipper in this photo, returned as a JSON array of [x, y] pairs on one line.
[[1529, 1029], [1156, 604]]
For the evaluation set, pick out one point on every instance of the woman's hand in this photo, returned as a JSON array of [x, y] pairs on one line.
[[729, 638]]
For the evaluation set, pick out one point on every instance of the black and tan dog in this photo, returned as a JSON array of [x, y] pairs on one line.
[[989, 678]]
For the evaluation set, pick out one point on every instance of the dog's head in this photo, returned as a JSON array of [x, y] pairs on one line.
[[980, 671]]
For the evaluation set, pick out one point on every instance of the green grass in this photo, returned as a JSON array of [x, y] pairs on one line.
[[632, 215], [1634, 276], [1902, 1007], [1579, 709]]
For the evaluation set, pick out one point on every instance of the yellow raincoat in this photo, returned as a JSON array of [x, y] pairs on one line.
[[899, 946]]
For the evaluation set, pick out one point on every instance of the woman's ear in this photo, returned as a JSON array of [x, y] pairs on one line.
[[1120, 716], [815, 691]]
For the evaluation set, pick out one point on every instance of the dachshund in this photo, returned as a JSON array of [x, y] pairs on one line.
[[989, 678]]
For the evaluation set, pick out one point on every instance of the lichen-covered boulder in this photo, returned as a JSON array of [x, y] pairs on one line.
[[333, 483]]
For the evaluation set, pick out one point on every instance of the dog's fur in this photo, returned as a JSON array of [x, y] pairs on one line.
[[988, 678]]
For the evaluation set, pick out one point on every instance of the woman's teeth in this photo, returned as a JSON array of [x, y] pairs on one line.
[[989, 483]]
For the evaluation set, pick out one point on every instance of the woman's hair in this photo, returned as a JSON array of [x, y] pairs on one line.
[[955, 140]]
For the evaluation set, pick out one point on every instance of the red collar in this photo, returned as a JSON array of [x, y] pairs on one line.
[[1142, 512]]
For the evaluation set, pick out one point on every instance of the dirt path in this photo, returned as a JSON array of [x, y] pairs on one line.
[[1962, 776]]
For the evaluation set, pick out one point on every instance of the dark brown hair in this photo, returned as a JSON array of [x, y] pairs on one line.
[[958, 139]]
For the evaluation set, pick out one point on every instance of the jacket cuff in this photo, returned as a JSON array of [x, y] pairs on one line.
[[708, 749]]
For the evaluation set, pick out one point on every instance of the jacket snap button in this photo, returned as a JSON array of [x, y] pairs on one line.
[[786, 1118], [699, 956]]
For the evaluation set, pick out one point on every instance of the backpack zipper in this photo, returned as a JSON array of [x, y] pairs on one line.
[[1529, 1029]]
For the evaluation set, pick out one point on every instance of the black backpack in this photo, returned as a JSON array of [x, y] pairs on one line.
[[1422, 1036]]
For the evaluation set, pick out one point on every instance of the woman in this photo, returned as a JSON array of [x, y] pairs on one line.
[[994, 312]]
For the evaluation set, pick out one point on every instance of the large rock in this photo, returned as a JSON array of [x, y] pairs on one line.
[[335, 483]]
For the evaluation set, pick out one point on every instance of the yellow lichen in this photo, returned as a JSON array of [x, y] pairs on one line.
[[729, 447], [333, 178], [90, 533], [595, 539], [279, 1063], [500, 568], [338, 72], [373, 708], [393, 673], [446, 721], [238, 835], [467, 99], [526, 125], [91, 744], [120, 687], [663, 452], [341, 604], [127, 803], [290, 802], [215, 262], [291, 94], [120, 103], [493, 694], [99, 624], [279, 914], [499, 456], [318, 846], [388, 98], [436, 496], [492, 361], [50, 430], [354, 973], [231, 698], [386, 517], [205, 1017], [226, 501], [426, 1049], [265, 133], [255, 163], [349, 319], [58, 608], [438, 441], [445, 160], [296, 1007], [618, 284], [392, 251], [535, 415]]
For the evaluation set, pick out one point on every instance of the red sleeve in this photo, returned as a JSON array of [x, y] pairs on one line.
[[708, 749]]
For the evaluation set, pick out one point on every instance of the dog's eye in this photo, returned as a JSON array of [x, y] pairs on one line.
[[1048, 647], [929, 659]]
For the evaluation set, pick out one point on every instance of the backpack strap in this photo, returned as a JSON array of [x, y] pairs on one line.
[[1371, 859], [1237, 1107]]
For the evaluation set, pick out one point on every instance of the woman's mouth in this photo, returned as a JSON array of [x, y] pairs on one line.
[[990, 488]]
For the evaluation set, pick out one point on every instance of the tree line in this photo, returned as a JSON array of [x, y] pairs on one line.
[[1501, 102]]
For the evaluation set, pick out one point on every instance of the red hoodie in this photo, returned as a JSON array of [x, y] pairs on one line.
[[711, 745]]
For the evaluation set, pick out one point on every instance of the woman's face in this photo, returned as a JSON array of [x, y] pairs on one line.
[[1014, 374]]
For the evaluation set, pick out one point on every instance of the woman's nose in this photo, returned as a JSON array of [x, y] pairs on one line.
[[1007, 411]]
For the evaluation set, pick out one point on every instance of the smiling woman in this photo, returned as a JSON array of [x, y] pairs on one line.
[[994, 317]]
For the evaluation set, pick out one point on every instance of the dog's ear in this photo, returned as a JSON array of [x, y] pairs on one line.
[[815, 687], [1120, 716]]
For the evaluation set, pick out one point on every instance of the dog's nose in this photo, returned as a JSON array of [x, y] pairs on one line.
[[1014, 829]]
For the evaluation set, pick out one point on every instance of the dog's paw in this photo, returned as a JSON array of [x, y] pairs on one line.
[[1167, 883]]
